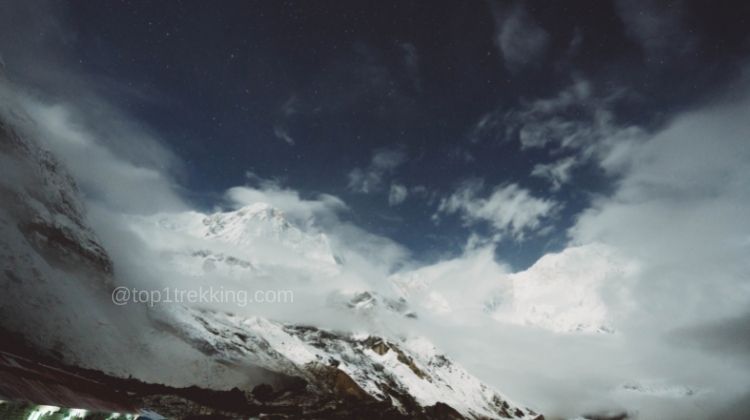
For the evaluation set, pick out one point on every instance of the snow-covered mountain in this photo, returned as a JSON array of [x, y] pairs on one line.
[[255, 241], [563, 292], [410, 373], [56, 279], [47, 249]]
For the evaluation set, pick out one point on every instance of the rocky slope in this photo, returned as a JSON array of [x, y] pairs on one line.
[[408, 374]]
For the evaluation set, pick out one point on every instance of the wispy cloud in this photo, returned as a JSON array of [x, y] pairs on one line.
[[509, 209], [117, 162], [383, 163], [579, 119], [558, 173], [663, 260], [658, 27], [520, 39], [397, 194], [281, 133], [411, 63]]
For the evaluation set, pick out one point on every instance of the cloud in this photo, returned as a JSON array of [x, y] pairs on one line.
[[328, 214], [383, 163], [575, 118], [290, 106], [364, 182], [281, 133], [411, 63], [658, 27], [363, 258], [117, 162], [578, 119], [509, 209], [397, 194], [437, 288], [672, 282], [558, 173], [303, 211], [679, 209], [520, 39]]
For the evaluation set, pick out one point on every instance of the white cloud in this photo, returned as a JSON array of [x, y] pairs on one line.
[[302, 211], [116, 162], [441, 287], [520, 39], [672, 283], [411, 63], [578, 118], [657, 26], [371, 256], [388, 159], [558, 173], [509, 209], [397, 194], [680, 208], [281, 133], [370, 179]]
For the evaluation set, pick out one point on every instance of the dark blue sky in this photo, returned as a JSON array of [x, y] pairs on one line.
[[306, 92]]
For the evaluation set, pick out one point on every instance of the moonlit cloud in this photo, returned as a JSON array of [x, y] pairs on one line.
[[657, 27], [301, 210], [281, 133], [509, 209], [679, 207], [520, 39], [558, 173], [662, 261], [411, 63], [370, 179], [577, 117], [125, 168], [397, 194]]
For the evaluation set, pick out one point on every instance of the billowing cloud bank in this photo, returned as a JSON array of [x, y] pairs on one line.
[[661, 263]]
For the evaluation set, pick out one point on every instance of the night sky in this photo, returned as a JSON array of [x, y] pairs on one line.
[[395, 106]]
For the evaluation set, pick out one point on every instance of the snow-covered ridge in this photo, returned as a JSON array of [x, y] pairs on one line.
[[260, 221], [403, 371], [251, 241]]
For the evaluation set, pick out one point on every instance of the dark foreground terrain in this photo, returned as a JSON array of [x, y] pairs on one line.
[[28, 378]]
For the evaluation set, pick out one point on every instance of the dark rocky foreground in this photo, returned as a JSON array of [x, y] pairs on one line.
[[27, 377]]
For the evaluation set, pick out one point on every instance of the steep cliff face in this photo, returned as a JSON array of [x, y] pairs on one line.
[[51, 261], [41, 201]]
